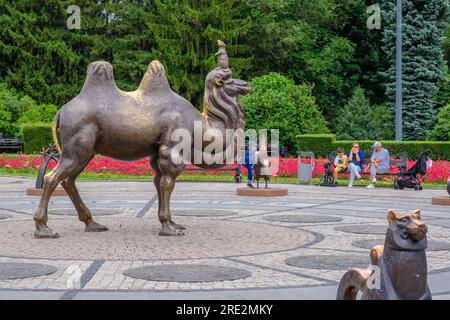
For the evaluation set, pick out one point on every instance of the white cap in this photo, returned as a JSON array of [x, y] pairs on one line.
[[377, 145]]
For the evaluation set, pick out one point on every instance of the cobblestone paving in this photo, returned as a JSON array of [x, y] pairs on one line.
[[244, 239]]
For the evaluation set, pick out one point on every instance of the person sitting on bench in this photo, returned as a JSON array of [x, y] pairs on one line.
[[340, 162], [379, 163], [355, 158]]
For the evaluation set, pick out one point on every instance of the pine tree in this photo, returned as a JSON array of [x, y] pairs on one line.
[[424, 23], [42, 58], [186, 34], [359, 120]]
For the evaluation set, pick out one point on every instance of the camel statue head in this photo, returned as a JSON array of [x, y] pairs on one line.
[[221, 102]]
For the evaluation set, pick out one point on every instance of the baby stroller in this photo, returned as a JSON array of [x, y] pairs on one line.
[[328, 179], [408, 178]]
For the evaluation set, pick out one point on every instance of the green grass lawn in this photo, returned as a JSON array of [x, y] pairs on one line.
[[201, 177]]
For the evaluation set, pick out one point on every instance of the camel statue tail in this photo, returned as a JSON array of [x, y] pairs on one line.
[[55, 127], [353, 281]]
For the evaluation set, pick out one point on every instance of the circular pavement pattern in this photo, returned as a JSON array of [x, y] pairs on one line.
[[134, 239], [303, 218], [187, 273], [94, 212], [363, 228], [204, 213], [5, 216], [433, 245], [14, 270], [329, 262]]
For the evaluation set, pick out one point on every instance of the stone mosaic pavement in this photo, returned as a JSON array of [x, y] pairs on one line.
[[294, 247]]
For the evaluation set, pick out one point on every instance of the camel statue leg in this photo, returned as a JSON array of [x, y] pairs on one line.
[[84, 214], [169, 172], [72, 162], [65, 168], [157, 181], [51, 181]]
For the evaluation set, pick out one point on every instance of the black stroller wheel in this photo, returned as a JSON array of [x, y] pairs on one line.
[[396, 185], [420, 188], [416, 187]]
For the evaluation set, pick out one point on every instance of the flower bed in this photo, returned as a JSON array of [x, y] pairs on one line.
[[438, 173]]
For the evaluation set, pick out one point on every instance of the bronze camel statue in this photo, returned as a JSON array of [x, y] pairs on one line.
[[402, 263], [131, 125]]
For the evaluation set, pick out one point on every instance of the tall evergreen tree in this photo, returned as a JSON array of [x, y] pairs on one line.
[[359, 120], [186, 34], [424, 23], [42, 58]]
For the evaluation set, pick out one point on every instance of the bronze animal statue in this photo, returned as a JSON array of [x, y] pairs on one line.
[[401, 261], [131, 125]]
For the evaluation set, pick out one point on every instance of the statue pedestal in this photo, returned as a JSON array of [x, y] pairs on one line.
[[442, 201], [38, 192], [270, 192]]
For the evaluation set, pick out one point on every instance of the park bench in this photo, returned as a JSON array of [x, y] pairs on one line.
[[397, 161], [11, 144], [237, 170], [238, 175]]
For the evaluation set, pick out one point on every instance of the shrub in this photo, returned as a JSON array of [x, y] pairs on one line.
[[322, 145], [441, 130], [276, 102], [37, 136]]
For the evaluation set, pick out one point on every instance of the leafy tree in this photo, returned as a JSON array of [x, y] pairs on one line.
[[359, 120], [297, 38], [9, 110], [276, 102], [324, 42], [15, 111], [424, 24], [34, 113], [441, 130]]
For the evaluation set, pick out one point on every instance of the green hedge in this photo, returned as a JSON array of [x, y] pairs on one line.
[[36, 136], [323, 144]]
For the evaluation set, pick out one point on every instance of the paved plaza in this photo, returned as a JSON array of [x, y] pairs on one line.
[[235, 247]]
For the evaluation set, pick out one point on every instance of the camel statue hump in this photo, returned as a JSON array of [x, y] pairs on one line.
[[155, 80], [100, 71], [155, 69]]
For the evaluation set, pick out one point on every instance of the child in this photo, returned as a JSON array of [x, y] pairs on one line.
[[340, 163]]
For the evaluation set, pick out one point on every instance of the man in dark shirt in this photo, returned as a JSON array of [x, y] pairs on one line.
[[355, 160]]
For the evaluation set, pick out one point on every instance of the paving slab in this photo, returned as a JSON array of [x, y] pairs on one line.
[[222, 230]]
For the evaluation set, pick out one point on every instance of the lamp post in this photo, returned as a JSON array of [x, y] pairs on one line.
[[398, 75]]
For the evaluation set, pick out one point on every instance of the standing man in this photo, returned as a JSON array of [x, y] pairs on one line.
[[355, 163], [379, 163], [249, 160]]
